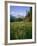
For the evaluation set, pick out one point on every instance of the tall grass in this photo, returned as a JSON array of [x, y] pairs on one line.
[[20, 30]]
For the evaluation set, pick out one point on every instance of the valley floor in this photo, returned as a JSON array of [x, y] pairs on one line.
[[20, 30]]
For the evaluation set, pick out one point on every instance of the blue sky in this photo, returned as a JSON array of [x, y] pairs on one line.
[[19, 10]]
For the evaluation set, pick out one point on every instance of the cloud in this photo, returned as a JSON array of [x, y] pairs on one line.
[[18, 14], [12, 13]]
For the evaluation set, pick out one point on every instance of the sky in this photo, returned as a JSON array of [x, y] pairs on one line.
[[19, 10]]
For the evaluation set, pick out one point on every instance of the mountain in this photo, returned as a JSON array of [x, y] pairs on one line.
[[12, 18], [20, 16]]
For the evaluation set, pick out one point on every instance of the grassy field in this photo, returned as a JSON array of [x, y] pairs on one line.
[[20, 30]]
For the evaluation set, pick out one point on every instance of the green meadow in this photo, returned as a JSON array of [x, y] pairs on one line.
[[20, 30]]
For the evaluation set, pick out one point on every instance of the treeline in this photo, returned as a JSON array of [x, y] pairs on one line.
[[14, 19], [28, 17]]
